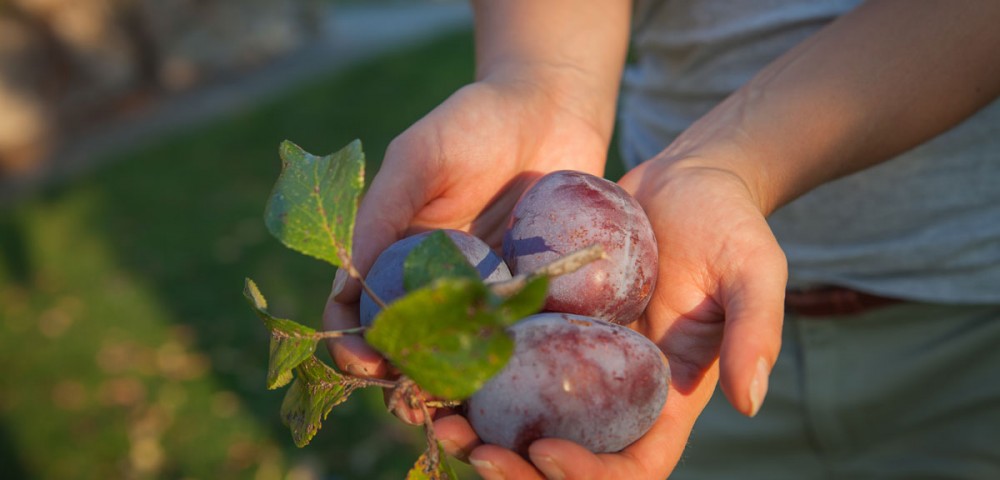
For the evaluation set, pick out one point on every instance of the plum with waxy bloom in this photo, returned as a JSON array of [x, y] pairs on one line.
[[385, 277], [595, 383], [565, 211]]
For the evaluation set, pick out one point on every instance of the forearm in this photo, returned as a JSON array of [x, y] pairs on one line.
[[876, 82], [574, 52]]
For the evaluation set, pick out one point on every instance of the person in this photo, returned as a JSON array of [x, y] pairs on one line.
[[844, 152]]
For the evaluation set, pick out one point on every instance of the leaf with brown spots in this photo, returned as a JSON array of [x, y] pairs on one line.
[[316, 390], [432, 466], [313, 206], [448, 337], [435, 257], [291, 342]]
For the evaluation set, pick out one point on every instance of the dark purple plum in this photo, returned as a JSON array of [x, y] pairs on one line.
[[386, 275], [595, 383], [565, 211]]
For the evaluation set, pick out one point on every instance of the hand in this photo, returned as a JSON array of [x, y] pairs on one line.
[[463, 166], [716, 311]]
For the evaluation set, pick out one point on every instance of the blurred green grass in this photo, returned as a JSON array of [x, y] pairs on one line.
[[126, 348]]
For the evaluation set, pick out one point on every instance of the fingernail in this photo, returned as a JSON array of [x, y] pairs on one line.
[[339, 280], [549, 468], [450, 447], [758, 387], [487, 470]]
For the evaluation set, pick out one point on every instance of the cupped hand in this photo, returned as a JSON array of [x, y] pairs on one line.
[[463, 166], [716, 314]]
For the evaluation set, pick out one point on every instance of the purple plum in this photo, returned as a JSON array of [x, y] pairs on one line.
[[595, 383], [565, 211], [386, 275]]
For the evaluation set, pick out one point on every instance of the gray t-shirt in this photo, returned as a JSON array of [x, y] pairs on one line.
[[922, 226]]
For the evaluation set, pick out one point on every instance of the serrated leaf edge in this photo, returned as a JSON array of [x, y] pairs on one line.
[[282, 341], [287, 149], [310, 386]]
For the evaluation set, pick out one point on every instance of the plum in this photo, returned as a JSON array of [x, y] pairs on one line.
[[565, 211], [386, 275], [595, 383]]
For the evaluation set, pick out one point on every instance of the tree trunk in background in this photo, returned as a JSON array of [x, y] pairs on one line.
[[67, 63]]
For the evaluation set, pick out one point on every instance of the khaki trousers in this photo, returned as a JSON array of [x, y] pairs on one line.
[[909, 391]]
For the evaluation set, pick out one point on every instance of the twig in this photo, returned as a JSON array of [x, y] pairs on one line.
[[339, 333], [401, 389], [442, 403], [433, 453], [353, 272], [370, 382], [566, 264]]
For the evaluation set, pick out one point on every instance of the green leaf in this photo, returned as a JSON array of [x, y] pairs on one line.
[[449, 337], [314, 203], [527, 301], [317, 389], [291, 342], [436, 256], [430, 468]]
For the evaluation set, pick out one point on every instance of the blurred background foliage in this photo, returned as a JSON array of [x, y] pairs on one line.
[[127, 350]]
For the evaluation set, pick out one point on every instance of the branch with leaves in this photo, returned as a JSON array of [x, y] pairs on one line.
[[446, 335]]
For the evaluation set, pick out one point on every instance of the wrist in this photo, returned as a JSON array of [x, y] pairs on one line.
[[666, 181], [709, 166], [573, 52], [557, 90], [730, 140]]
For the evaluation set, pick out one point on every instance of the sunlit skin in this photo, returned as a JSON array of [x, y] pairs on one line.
[[867, 87], [685, 318]]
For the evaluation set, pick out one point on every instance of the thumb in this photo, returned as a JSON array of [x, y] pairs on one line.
[[385, 212], [754, 306], [396, 194]]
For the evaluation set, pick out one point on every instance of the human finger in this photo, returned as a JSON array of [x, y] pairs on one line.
[[754, 304], [351, 353], [456, 436], [496, 463], [651, 457], [396, 194]]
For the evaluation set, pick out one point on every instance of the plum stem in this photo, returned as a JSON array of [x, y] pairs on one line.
[[402, 385], [371, 382], [568, 263], [338, 333], [355, 274]]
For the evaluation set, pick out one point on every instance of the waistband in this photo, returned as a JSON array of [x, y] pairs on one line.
[[832, 301]]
